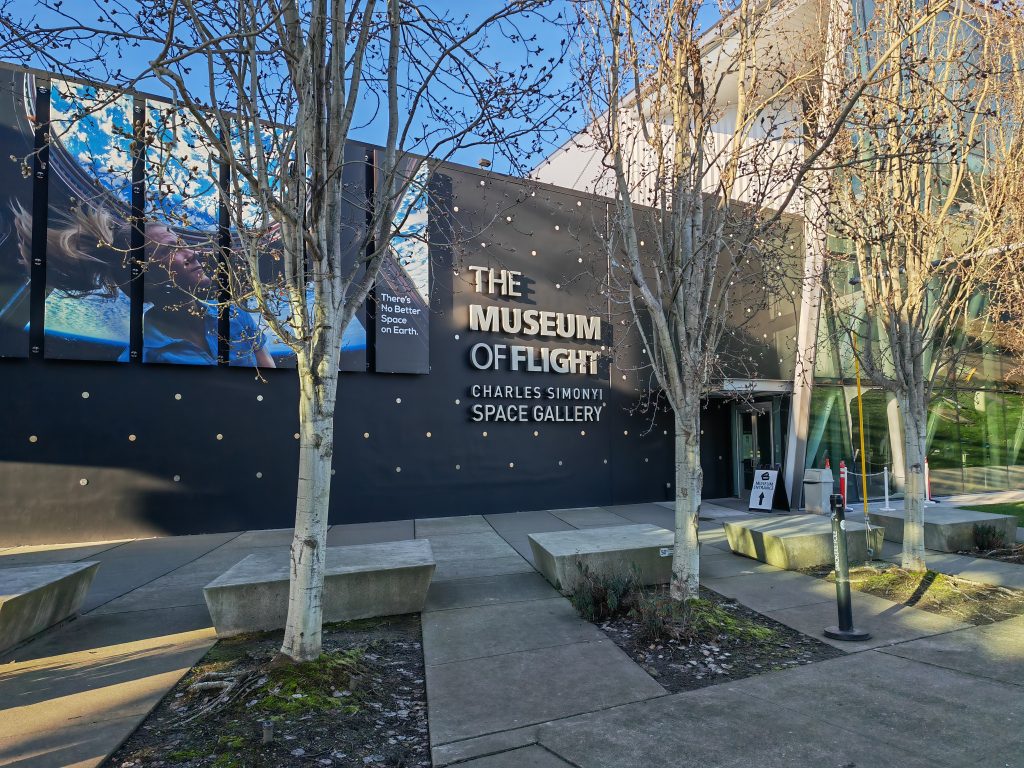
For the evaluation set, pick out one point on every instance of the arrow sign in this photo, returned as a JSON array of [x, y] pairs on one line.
[[763, 492]]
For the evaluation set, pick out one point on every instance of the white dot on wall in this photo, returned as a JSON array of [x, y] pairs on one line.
[[536, 433], [85, 395], [580, 260], [457, 401], [456, 209], [642, 242], [366, 435], [579, 203], [583, 432], [334, 471], [623, 377], [606, 461], [559, 462], [456, 337], [398, 469], [557, 227], [558, 286], [533, 253], [33, 439], [428, 434], [482, 183], [83, 481], [646, 461], [259, 475], [511, 465], [485, 434], [664, 432], [131, 438], [625, 432], [458, 466], [220, 436], [483, 245], [259, 398], [296, 435], [508, 218], [398, 400], [176, 478], [177, 395]]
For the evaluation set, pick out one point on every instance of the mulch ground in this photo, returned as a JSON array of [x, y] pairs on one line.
[[744, 643], [363, 703], [966, 601]]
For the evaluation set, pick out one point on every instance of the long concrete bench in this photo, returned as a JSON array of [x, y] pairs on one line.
[[643, 549], [360, 582], [798, 541], [35, 597], [947, 529]]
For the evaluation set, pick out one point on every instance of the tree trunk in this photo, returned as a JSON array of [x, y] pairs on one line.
[[915, 430], [689, 484], [303, 629]]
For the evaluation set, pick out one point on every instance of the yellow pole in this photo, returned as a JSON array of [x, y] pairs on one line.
[[863, 455]]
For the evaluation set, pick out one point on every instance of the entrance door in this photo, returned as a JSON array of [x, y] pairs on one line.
[[757, 443]]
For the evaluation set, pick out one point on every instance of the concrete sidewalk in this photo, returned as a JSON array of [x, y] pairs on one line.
[[515, 678]]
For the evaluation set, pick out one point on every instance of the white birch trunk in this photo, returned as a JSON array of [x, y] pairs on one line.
[[915, 428], [303, 628], [689, 484]]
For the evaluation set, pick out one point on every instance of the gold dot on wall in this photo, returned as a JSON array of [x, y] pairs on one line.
[[33, 439]]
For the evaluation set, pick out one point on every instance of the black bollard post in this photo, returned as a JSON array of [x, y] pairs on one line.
[[845, 630]]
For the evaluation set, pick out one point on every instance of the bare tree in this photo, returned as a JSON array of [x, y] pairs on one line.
[[275, 89], [922, 150], [707, 146]]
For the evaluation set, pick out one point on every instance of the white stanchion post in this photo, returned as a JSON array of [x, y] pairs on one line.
[[927, 483], [885, 480]]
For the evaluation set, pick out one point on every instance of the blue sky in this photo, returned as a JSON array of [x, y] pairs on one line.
[[548, 36]]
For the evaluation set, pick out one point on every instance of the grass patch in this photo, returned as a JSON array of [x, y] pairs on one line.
[[660, 618], [965, 601], [1014, 508]]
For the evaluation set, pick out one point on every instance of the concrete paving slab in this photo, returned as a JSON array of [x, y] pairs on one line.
[[273, 537], [994, 651], [60, 553], [445, 526], [73, 746], [918, 707], [490, 590], [370, 533], [36, 597], [717, 727], [515, 527], [452, 570], [491, 630], [887, 622], [481, 696], [517, 758], [653, 513], [470, 546], [589, 517], [716, 564], [773, 591], [492, 743]]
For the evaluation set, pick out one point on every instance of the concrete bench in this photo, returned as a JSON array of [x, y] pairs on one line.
[[643, 549], [35, 597], [947, 529], [360, 582], [798, 541]]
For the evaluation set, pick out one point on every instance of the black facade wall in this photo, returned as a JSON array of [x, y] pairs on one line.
[[95, 451]]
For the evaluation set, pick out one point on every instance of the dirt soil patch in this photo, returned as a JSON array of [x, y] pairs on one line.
[[715, 641], [363, 703], [959, 599]]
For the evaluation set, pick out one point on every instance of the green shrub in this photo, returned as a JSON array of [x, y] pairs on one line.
[[987, 537], [598, 597]]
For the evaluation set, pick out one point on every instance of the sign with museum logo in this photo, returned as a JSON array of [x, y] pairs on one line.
[[561, 343]]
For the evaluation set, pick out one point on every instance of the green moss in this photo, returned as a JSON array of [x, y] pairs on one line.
[[184, 755], [311, 685]]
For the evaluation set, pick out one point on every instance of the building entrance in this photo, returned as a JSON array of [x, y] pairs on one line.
[[756, 441]]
